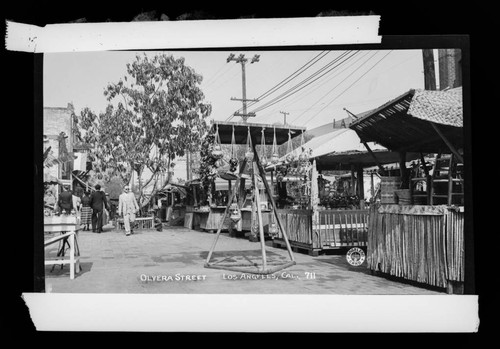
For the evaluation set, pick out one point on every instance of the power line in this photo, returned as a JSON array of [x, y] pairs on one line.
[[299, 98], [344, 79], [346, 89], [292, 76], [213, 78], [306, 81], [293, 88]]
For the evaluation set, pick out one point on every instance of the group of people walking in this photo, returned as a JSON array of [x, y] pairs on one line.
[[91, 207]]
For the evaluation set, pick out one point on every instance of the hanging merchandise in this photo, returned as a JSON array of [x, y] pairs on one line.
[[219, 163], [233, 161], [235, 213], [275, 156], [263, 158], [289, 150], [217, 149], [249, 152], [303, 157]]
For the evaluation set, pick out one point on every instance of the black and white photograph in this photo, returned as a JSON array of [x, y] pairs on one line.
[[277, 171], [334, 171]]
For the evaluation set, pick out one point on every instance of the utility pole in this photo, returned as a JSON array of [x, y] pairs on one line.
[[284, 115], [242, 60], [429, 71]]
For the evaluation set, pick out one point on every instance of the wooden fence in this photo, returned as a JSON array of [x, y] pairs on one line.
[[298, 226], [426, 246], [334, 228]]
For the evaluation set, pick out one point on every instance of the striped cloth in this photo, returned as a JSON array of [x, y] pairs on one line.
[[86, 213]]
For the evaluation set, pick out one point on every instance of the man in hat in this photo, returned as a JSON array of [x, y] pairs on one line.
[[98, 202], [65, 201], [127, 208]]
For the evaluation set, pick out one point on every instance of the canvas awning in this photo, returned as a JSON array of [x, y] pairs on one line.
[[342, 148]]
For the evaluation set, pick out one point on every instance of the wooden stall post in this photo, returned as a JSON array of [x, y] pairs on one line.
[[233, 193], [372, 188], [403, 170], [259, 217], [361, 187], [262, 173]]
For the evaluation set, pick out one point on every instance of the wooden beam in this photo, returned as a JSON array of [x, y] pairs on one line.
[[361, 187], [262, 173], [374, 157], [403, 170], [447, 142]]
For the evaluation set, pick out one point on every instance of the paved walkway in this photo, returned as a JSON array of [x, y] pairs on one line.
[[172, 261]]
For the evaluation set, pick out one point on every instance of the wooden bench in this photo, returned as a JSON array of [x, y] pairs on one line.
[[140, 223]]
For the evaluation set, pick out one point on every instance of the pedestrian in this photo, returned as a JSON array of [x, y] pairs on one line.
[[127, 208], [98, 203], [77, 204], [65, 201], [86, 212]]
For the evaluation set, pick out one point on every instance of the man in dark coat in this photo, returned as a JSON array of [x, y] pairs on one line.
[[65, 201], [98, 202]]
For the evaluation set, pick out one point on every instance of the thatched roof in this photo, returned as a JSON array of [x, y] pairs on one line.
[[441, 107], [404, 123]]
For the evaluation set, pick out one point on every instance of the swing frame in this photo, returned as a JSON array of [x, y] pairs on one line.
[[254, 268]]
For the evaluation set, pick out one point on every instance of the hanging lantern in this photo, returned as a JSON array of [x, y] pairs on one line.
[[290, 157], [235, 213], [217, 149], [263, 158], [275, 158], [303, 157], [233, 162], [273, 229], [249, 153]]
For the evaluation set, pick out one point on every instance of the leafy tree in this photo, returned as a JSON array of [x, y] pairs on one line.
[[154, 114]]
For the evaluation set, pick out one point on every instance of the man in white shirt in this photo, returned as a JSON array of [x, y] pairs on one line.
[[127, 208]]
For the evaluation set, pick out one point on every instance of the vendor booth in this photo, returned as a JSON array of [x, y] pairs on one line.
[[331, 214], [417, 231], [249, 204]]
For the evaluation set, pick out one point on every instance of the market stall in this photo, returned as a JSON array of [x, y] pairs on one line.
[[418, 232], [259, 202], [326, 214]]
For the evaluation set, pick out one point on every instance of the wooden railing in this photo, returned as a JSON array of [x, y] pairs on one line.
[[333, 229], [342, 228]]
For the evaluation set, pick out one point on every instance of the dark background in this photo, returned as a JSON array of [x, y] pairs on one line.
[[21, 95]]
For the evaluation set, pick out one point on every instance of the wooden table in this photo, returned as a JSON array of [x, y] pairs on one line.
[[68, 227]]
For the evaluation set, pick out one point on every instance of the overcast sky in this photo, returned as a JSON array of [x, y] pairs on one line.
[[333, 80]]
